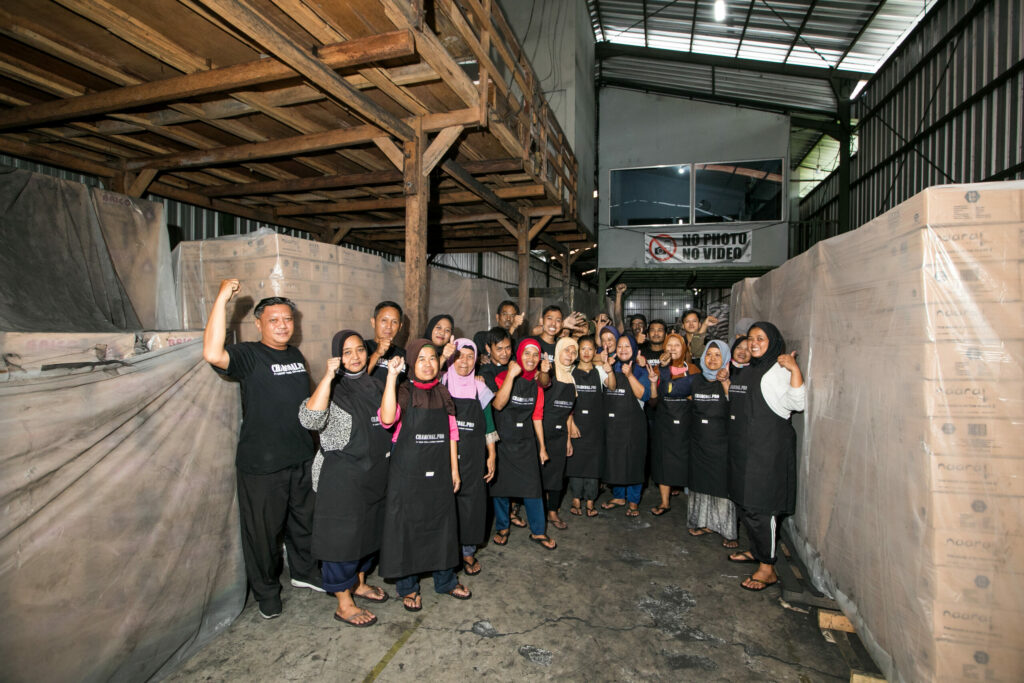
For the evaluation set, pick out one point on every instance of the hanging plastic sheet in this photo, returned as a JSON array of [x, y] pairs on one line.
[[910, 332], [119, 544]]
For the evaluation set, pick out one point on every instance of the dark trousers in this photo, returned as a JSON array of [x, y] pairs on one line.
[[445, 581], [553, 499], [763, 530], [340, 576], [584, 488], [269, 506]]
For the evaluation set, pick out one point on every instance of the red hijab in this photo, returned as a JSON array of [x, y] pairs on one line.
[[529, 341]]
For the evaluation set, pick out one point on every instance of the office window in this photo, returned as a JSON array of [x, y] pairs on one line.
[[738, 191], [656, 195]]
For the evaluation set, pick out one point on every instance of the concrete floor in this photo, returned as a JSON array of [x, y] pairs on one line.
[[620, 599]]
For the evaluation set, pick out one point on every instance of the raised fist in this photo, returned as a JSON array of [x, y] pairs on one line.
[[621, 288], [395, 366], [545, 366], [228, 288], [514, 369], [332, 366]]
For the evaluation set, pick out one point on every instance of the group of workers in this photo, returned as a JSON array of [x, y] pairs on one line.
[[419, 447]]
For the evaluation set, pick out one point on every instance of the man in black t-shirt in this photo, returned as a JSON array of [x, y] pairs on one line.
[[498, 349], [275, 453], [387, 323]]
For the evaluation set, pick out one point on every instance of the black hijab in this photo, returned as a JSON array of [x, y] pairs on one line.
[[776, 344], [418, 393], [432, 323], [349, 387]]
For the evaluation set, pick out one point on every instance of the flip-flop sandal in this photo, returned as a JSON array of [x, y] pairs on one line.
[[558, 524], [659, 510], [469, 567], [591, 512], [467, 596], [576, 510], [699, 532], [378, 595], [731, 545], [516, 521], [414, 597], [764, 584], [747, 558], [542, 541], [676, 492], [608, 505], [633, 512], [352, 622], [501, 538]]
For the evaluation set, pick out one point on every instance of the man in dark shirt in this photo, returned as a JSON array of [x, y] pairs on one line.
[[387, 323], [498, 348], [275, 454], [655, 344]]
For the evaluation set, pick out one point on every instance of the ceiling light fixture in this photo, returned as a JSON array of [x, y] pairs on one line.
[[719, 10]]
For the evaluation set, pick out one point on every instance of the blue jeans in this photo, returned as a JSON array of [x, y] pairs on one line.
[[534, 515], [468, 550], [630, 493], [444, 582]]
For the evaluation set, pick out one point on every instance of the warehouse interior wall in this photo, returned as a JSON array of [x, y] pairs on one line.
[[668, 130]]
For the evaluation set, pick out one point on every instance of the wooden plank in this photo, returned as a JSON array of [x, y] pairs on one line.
[[466, 179], [141, 182], [539, 226], [835, 621], [385, 203], [390, 150], [54, 157], [440, 146], [523, 253], [417, 194], [349, 53], [253, 24]]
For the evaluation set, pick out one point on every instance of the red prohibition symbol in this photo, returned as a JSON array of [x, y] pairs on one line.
[[662, 248]]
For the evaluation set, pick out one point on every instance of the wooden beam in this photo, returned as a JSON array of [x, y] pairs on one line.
[[386, 203], [466, 179], [344, 180], [253, 24], [339, 235], [349, 53], [539, 226], [54, 157], [509, 226], [523, 253], [390, 150], [141, 182], [440, 146], [417, 194]]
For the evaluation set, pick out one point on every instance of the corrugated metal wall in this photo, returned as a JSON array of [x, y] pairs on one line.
[[948, 107], [196, 223]]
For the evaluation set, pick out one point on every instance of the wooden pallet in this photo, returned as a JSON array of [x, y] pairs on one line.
[[836, 628]]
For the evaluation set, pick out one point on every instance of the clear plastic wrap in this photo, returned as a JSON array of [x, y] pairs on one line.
[[910, 332]]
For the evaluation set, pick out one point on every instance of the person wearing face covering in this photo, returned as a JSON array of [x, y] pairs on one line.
[[518, 417], [439, 331], [421, 530], [762, 447], [626, 427], [559, 399], [476, 449], [350, 476], [709, 508], [670, 438]]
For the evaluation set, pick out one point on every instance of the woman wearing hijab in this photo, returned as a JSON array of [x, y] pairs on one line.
[[609, 338], [559, 399], [476, 449], [518, 417], [420, 525], [740, 355], [762, 447], [710, 510], [584, 467], [670, 442], [626, 426], [439, 332], [350, 476]]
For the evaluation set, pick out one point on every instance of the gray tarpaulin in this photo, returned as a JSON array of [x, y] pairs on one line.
[[119, 544]]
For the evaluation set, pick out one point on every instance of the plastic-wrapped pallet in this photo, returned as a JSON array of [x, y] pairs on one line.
[[911, 458]]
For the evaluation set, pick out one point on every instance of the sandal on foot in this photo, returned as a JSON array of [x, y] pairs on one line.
[[576, 510], [357, 624], [744, 557], [472, 568], [676, 492], [543, 541], [414, 598], [699, 532], [501, 538], [609, 505], [592, 512], [755, 588], [516, 521], [633, 511], [659, 510], [730, 544], [465, 593], [376, 594], [558, 524]]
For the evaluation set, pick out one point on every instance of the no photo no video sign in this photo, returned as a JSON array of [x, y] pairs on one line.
[[700, 246]]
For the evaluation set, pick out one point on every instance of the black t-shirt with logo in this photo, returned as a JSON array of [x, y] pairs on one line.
[[274, 385], [547, 349], [380, 371]]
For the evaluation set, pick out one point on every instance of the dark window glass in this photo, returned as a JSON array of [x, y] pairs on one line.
[[734, 191], [658, 195]]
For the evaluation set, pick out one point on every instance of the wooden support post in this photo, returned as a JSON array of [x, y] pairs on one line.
[[523, 228], [566, 272], [417, 194], [141, 182]]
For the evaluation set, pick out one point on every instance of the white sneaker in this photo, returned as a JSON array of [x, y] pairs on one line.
[[270, 616], [303, 584]]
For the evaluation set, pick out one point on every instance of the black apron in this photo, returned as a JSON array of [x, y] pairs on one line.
[[471, 499], [588, 450], [420, 526], [762, 449], [625, 435], [349, 514], [709, 438], [558, 402], [517, 473], [670, 452]]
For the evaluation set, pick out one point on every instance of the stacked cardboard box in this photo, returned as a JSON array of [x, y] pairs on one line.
[[911, 333]]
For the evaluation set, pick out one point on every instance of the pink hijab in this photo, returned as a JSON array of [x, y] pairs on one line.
[[466, 387]]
